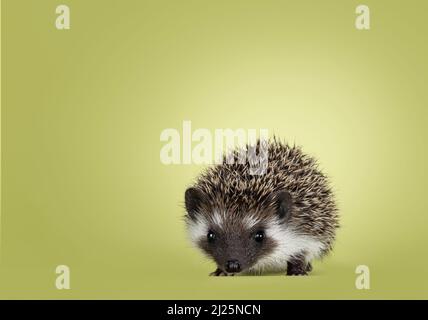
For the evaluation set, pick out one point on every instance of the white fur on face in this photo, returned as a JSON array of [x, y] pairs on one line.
[[198, 228], [250, 221], [217, 219], [289, 244]]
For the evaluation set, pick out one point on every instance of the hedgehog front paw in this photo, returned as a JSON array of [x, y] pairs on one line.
[[297, 272], [298, 268], [218, 273]]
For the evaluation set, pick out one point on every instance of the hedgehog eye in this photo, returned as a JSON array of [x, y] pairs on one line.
[[259, 236], [211, 236]]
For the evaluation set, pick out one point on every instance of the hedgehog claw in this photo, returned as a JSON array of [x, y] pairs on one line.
[[300, 273], [218, 273], [298, 267]]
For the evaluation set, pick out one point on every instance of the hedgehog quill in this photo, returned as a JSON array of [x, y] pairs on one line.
[[279, 221]]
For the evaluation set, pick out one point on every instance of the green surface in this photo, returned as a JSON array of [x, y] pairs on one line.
[[82, 111]]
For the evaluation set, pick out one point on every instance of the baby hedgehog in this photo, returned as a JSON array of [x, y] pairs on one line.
[[278, 221]]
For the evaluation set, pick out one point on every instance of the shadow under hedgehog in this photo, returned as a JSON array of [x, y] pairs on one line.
[[278, 221]]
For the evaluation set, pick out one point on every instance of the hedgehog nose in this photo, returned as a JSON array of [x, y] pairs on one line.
[[233, 266]]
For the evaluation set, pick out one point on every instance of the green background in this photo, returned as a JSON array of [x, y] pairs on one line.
[[83, 109]]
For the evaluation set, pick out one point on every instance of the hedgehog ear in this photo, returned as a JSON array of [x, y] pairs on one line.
[[194, 199], [283, 202]]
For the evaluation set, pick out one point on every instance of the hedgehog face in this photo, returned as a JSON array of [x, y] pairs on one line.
[[234, 247], [235, 240]]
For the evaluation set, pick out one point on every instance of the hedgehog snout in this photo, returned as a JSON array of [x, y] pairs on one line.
[[233, 266]]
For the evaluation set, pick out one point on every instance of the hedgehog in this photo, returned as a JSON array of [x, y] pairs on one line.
[[275, 222]]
